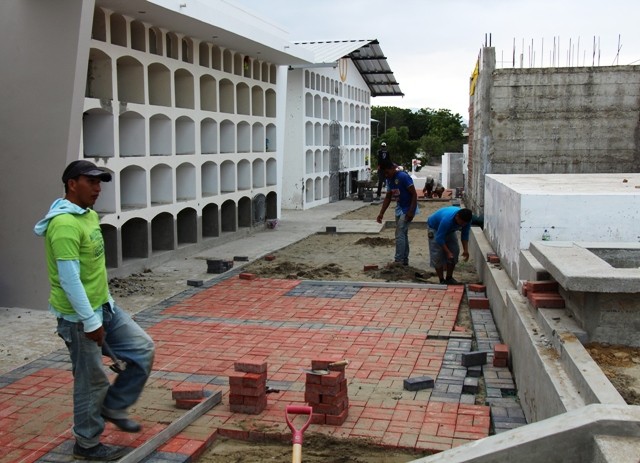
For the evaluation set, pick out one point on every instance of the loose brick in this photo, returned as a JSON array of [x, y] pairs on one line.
[[333, 378], [241, 258], [320, 389], [500, 363], [337, 420], [470, 385], [331, 229], [323, 364], [419, 383], [250, 367], [258, 380], [490, 255], [248, 276], [478, 303], [270, 257], [255, 401], [501, 351], [477, 288], [247, 409], [251, 391], [470, 359], [318, 418], [494, 260], [312, 397], [187, 404], [548, 286], [546, 300], [370, 267], [186, 392], [313, 379], [195, 283], [327, 409]]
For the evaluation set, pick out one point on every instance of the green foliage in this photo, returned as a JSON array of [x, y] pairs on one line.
[[425, 133]]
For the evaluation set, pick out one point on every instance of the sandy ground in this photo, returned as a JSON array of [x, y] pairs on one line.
[[320, 256]]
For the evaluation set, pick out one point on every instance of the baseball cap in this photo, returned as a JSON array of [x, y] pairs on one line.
[[383, 144], [87, 168]]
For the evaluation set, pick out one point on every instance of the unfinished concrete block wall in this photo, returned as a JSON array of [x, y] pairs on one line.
[[552, 120]]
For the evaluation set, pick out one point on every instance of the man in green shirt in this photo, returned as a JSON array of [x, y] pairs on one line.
[[88, 317]]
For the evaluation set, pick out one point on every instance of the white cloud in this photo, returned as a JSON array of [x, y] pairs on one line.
[[432, 45]]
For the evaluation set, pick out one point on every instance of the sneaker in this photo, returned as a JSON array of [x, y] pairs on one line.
[[99, 452], [443, 281], [124, 424], [451, 281]]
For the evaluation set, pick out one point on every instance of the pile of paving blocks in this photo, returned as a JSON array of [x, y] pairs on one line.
[[188, 396], [491, 361], [327, 393], [543, 294], [219, 265], [248, 388]]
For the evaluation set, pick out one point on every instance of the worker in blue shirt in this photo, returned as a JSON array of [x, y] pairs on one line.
[[400, 185], [443, 240]]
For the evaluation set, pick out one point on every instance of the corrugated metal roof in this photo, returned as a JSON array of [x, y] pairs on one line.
[[368, 58]]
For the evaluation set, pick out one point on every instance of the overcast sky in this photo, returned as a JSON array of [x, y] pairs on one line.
[[432, 45]]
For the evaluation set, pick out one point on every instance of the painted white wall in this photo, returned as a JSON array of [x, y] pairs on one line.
[[296, 179], [572, 207]]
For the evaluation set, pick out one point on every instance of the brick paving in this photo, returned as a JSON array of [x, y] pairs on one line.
[[388, 332]]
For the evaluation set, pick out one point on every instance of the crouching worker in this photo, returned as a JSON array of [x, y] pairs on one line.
[[443, 240], [89, 321]]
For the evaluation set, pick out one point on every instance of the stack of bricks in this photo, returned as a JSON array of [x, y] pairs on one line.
[[500, 355], [476, 295], [327, 394], [543, 294], [188, 396], [248, 388]]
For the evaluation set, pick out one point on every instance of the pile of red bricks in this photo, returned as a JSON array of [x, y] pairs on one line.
[[248, 388], [327, 394], [543, 294]]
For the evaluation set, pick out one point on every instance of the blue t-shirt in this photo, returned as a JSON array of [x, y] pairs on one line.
[[399, 186], [443, 222]]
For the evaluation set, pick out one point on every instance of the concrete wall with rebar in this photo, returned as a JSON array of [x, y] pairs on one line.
[[552, 120]]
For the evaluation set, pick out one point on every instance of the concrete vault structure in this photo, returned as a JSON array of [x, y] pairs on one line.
[[188, 105]]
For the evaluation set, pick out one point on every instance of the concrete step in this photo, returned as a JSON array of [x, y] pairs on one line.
[[616, 449]]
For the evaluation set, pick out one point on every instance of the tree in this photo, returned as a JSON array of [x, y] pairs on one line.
[[433, 132], [402, 149]]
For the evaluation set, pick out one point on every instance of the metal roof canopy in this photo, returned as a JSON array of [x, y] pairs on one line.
[[368, 58]]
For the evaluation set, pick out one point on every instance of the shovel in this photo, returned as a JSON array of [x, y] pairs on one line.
[[297, 433], [341, 363]]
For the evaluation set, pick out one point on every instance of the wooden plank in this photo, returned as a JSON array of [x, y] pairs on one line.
[[174, 428]]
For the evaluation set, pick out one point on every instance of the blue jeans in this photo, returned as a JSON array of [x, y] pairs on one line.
[[93, 395], [402, 240]]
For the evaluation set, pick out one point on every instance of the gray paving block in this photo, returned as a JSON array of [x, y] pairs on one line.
[[470, 385], [419, 383], [470, 359]]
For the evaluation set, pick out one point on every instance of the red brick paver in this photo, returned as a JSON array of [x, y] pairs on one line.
[[381, 330]]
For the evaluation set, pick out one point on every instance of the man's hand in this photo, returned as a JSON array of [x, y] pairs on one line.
[[97, 335], [465, 255], [379, 218], [409, 217]]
